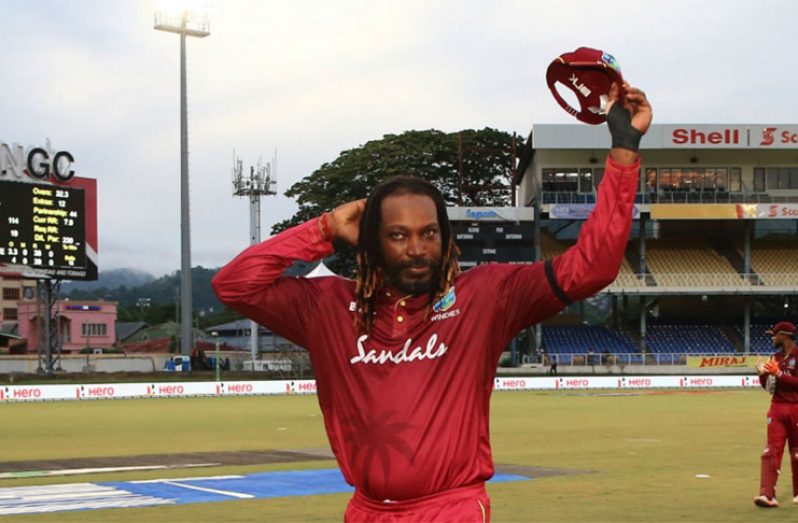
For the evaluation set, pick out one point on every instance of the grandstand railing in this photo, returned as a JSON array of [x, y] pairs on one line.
[[677, 196], [623, 360], [705, 280]]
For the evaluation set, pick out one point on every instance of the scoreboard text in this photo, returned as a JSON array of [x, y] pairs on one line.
[[486, 242], [43, 227]]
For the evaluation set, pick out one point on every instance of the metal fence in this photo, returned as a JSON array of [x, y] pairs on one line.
[[689, 196]]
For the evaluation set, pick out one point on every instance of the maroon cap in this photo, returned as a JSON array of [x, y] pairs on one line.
[[783, 327], [589, 73]]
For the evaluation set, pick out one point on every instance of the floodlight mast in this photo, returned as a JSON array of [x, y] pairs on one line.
[[186, 24]]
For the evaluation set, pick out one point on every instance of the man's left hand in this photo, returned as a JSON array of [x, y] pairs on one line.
[[628, 122], [772, 367]]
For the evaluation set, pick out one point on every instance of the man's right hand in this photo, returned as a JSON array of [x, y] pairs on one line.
[[344, 221]]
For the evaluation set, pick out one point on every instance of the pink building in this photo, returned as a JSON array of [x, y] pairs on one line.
[[81, 324]]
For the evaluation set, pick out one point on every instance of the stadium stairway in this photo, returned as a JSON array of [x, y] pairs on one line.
[[734, 337], [735, 259], [633, 257]]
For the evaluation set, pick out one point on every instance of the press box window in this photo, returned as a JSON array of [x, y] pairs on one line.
[[759, 179], [561, 180], [720, 179], [735, 180], [775, 178]]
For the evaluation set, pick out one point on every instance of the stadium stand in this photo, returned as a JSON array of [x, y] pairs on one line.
[[687, 339], [760, 340], [583, 339], [594, 345], [690, 262], [775, 261], [627, 277]]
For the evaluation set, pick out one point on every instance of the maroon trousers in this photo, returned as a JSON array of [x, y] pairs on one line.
[[782, 428], [461, 505]]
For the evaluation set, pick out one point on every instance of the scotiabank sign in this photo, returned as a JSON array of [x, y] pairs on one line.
[[767, 211], [784, 137]]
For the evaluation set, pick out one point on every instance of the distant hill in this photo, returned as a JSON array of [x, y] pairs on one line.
[[126, 286], [112, 279], [164, 290]]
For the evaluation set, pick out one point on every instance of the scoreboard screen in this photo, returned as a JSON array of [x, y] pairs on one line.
[[43, 226], [486, 242]]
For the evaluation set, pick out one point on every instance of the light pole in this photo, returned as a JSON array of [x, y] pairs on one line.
[[259, 183], [216, 361], [186, 24], [142, 304]]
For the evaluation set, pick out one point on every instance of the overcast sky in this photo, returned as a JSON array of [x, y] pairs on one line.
[[313, 78]]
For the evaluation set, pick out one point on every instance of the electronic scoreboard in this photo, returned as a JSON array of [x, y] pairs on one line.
[[43, 227], [493, 234]]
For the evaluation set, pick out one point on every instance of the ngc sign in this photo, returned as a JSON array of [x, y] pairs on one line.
[[37, 162]]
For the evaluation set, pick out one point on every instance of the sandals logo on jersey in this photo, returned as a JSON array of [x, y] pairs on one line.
[[445, 303]]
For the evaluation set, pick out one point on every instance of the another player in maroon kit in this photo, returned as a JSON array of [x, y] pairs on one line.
[[405, 355], [779, 376]]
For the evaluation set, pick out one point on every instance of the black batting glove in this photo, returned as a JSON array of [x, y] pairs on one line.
[[624, 135]]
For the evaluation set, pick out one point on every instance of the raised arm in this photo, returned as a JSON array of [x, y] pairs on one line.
[[252, 285], [594, 262]]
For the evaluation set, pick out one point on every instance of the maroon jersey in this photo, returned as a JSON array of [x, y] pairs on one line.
[[787, 384], [406, 407]]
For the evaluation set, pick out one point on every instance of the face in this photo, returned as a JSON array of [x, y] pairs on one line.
[[410, 238], [778, 340]]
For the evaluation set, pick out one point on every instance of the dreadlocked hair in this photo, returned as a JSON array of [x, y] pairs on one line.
[[369, 261]]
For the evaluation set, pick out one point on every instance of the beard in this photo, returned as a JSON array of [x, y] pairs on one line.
[[397, 276]]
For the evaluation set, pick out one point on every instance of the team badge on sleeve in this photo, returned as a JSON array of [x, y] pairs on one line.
[[445, 303]]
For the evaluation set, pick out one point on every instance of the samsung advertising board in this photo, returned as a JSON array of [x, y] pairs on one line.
[[48, 216]]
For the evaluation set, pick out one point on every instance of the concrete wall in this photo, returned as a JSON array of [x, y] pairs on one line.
[[99, 363]]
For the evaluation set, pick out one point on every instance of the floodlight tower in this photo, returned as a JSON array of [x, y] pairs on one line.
[[258, 183], [187, 23]]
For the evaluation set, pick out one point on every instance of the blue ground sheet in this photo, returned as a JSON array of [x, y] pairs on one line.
[[121, 494]]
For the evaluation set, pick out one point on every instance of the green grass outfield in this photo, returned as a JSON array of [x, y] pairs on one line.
[[645, 450]]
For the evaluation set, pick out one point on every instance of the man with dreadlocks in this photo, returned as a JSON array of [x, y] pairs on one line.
[[405, 354]]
